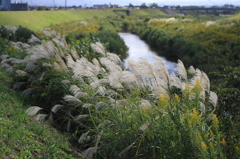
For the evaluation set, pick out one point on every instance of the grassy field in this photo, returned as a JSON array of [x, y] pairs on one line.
[[37, 20]]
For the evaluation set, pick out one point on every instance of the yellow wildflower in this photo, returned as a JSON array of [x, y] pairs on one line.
[[198, 87], [176, 98], [215, 120], [203, 146], [211, 134], [163, 99], [223, 142]]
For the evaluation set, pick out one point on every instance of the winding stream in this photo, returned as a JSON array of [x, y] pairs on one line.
[[138, 48]]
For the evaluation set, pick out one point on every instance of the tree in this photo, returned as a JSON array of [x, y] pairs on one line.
[[154, 5], [131, 6], [143, 6], [41, 8]]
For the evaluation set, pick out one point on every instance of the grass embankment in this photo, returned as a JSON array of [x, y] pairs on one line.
[[142, 12], [36, 20], [21, 135]]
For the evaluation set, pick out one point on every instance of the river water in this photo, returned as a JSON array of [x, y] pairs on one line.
[[138, 48]]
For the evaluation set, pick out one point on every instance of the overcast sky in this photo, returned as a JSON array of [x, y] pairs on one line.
[[126, 2]]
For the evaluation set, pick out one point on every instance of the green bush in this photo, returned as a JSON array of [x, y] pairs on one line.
[[114, 43], [23, 34]]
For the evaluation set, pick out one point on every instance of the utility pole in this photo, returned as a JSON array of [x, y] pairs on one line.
[[65, 4]]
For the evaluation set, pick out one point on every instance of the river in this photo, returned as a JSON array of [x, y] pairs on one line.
[[138, 48]]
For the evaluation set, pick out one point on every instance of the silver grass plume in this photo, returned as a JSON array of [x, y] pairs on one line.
[[94, 82], [18, 85], [65, 82], [33, 110], [21, 73], [114, 80], [163, 72], [104, 81], [175, 81], [28, 91], [203, 95], [202, 108], [197, 75], [97, 64], [158, 89], [59, 42], [114, 58], [37, 52], [77, 78], [8, 60], [99, 105], [129, 79], [68, 126], [80, 94], [191, 70], [87, 105], [10, 69], [144, 127], [74, 54], [61, 62], [46, 32], [92, 67], [4, 57], [41, 117], [205, 82], [61, 53], [70, 61], [111, 93], [56, 108], [213, 98], [19, 61], [145, 104], [5, 65], [125, 150], [46, 65], [30, 66], [99, 48], [111, 66], [90, 151], [33, 39], [83, 137], [49, 47], [57, 67], [79, 117], [181, 70], [74, 89], [69, 98], [139, 69]]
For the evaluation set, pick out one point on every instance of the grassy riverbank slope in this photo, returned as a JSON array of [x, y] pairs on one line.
[[37, 20], [21, 135]]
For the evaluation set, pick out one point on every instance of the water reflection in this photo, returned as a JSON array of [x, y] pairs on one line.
[[138, 48]]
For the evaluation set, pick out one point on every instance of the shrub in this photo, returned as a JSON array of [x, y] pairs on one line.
[[23, 34]]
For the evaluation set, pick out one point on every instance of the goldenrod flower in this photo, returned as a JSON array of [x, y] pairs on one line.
[[203, 146], [223, 142]]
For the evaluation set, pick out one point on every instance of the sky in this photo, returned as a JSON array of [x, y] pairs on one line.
[[89, 3]]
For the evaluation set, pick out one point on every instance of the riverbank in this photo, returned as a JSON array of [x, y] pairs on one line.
[[22, 136]]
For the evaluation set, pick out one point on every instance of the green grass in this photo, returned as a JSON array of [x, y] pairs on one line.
[[21, 135], [147, 12], [37, 20]]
